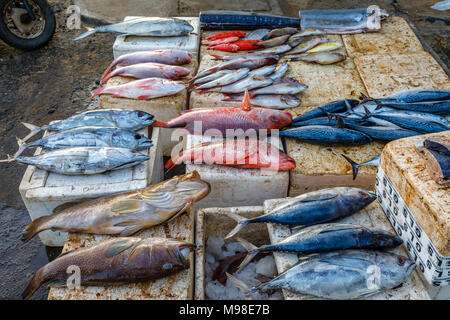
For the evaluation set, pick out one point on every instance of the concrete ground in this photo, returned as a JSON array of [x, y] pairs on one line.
[[55, 82]]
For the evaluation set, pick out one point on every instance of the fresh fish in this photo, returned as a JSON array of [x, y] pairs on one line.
[[224, 119], [419, 95], [343, 274], [273, 101], [321, 57], [143, 89], [385, 110], [116, 261], [226, 79], [296, 39], [437, 164], [326, 121], [273, 42], [248, 83], [274, 50], [414, 123], [227, 47], [311, 208], [212, 77], [281, 86], [280, 71], [247, 44], [435, 107], [257, 34], [225, 34], [164, 56], [251, 63], [148, 70], [89, 137], [281, 32], [263, 71], [439, 144], [324, 238], [240, 153], [119, 118], [383, 133], [126, 213], [220, 41], [83, 160], [243, 20], [327, 136], [148, 26], [327, 108], [344, 21], [355, 166], [305, 46], [323, 47]]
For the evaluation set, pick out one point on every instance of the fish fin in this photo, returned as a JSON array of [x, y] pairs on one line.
[[22, 147], [9, 159], [247, 245], [246, 101], [97, 92], [33, 130], [182, 209], [34, 228], [108, 69], [242, 222], [67, 205], [355, 166], [340, 123], [119, 246], [85, 34], [33, 285], [347, 105], [252, 252], [241, 285], [130, 230], [126, 206]]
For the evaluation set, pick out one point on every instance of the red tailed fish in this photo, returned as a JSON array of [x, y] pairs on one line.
[[225, 34], [223, 119], [144, 89], [220, 41], [240, 153], [228, 47], [148, 70], [165, 56]]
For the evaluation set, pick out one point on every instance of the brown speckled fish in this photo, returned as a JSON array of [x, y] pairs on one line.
[[116, 261], [126, 213]]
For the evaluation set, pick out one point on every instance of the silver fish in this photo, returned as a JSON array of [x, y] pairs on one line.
[[281, 86], [273, 101], [248, 83], [263, 71], [339, 274], [83, 160], [257, 34], [298, 38], [325, 57], [212, 77], [274, 50], [89, 137], [303, 47], [280, 71], [278, 41], [280, 32], [149, 26], [245, 56], [226, 79], [120, 118]]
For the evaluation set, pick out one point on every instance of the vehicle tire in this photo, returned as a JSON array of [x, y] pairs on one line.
[[30, 43]]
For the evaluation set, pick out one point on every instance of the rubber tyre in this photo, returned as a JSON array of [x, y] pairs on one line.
[[29, 44]]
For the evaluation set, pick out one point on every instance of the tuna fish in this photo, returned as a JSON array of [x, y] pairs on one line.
[[346, 274], [327, 136], [223, 119], [435, 107], [119, 118], [164, 56], [326, 121], [148, 26], [126, 213], [89, 137], [116, 261], [383, 133], [148, 70], [414, 123], [83, 160], [143, 89], [326, 237], [324, 109], [240, 153], [419, 95], [311, 208]]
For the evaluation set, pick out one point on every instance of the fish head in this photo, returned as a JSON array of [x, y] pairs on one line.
[[174, 254], [354, 199], [275, 119], [386, 239], [143, 117], [130, 139], [180, 72], [395, 269]]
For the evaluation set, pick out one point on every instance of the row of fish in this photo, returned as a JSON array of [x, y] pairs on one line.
[[334, 257], [352, 123], [155, 74], [89, 142], [121, 260]]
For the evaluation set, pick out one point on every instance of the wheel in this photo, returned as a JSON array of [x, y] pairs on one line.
[[18, 29]]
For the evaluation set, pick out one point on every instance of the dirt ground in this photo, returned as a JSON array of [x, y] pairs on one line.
[[56, 81]]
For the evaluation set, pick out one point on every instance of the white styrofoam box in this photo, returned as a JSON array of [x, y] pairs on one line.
[[43, 191], [128, 44], [371, 217], [237, 187]]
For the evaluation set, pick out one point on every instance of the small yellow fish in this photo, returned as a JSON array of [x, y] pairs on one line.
[[328, 46]]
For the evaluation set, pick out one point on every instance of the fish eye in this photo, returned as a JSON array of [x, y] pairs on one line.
[[137, 136], [274, 119], [401, 260], [141, 114], [167, 266]]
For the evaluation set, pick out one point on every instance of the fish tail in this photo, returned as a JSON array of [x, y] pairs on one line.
[[252, 252], [33, 285], [241, 285], [170, 164], [355, 166], [242, 223], [34, 228], [22, 147], [216, 57], [9, 159], [106, 77], [108, 70], [85, 34], [33, 130], [97, 92]]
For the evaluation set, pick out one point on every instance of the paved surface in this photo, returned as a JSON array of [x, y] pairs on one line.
[[54, 82]]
